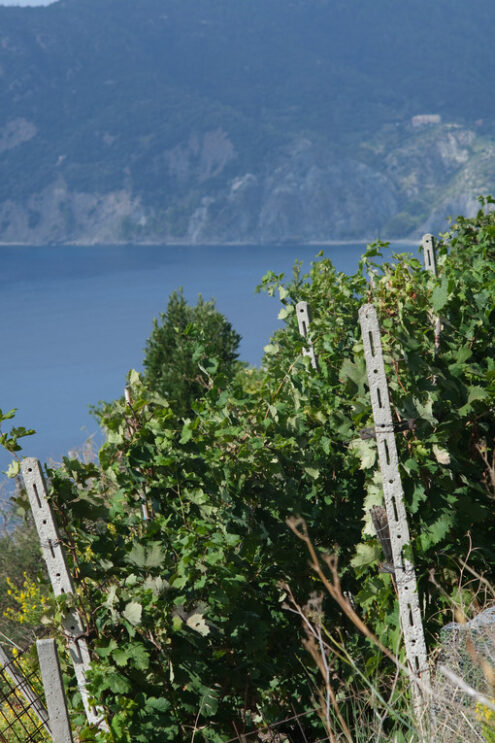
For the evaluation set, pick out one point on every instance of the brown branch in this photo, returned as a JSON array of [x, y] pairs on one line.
[[298, 526], [482, 450]]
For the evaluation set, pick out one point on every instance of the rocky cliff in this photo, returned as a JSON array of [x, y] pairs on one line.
[[391, 187], [207, 121]]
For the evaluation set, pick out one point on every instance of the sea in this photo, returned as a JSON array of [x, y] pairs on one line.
[[75, 319]]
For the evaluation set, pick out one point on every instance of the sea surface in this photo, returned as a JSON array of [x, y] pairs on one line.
[[75, 319]]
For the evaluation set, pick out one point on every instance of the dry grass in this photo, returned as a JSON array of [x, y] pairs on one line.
[[459, 706]]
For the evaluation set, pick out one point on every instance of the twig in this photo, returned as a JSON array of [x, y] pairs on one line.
[[298, 526], [196, 721], [334, 588], [299, 724]]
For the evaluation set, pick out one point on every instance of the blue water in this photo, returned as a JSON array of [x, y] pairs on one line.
[[74, 320]]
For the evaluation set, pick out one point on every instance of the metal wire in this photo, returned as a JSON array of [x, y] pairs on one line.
[[19, 722]]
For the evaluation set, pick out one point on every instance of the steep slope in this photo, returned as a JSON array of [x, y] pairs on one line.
[[213, 120]]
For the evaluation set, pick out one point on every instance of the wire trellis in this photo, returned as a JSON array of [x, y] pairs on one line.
[[19, 716]]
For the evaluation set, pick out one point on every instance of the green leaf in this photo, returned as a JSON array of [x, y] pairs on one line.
[[176, 623], [13, 469], [440, 295], [273, 411], [157, 704], [149, 556], [133, 378], [154, 555], [366, 451], [366, 554], [209, 702], [477, 393], [133, 612], [464, 354], [179, 582], [425, 410], [105, 651], [355, 371], [435, 532], [157, 585], [117, 683], [7, 416], [285, 312], [198, 624], [419, 496], [115, 437], [111, 597], [139, 655], [271, 348], [187, 433], [120, 657], [137, 555], [312, 472]]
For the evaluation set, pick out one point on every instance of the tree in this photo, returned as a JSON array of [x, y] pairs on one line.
[[188, 346]]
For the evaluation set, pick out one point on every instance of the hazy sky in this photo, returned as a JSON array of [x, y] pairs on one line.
[[27, 2]]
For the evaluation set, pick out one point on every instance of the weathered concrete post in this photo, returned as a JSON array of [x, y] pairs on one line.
[[51, 548], [405, 577], [430, 259], [54, 691], [303, 313]]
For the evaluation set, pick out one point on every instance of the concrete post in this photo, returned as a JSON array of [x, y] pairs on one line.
[[54, 691], [303, 313], [51, 548], [405, 576], [430, 259]]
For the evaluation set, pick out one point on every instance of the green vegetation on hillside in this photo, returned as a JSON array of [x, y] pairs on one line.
[[198, 616]]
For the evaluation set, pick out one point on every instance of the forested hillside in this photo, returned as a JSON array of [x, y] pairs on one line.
[[212, 120]]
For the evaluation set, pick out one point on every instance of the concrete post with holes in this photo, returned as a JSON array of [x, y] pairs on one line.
[[430, 260], [303, 313], [405, 577], [51, 548], [54, 691]]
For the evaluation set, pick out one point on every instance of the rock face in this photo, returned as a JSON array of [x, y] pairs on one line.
[[305, 191], [309, 192], [401, 184], [305, 194], [208, 121], [56, 214]]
